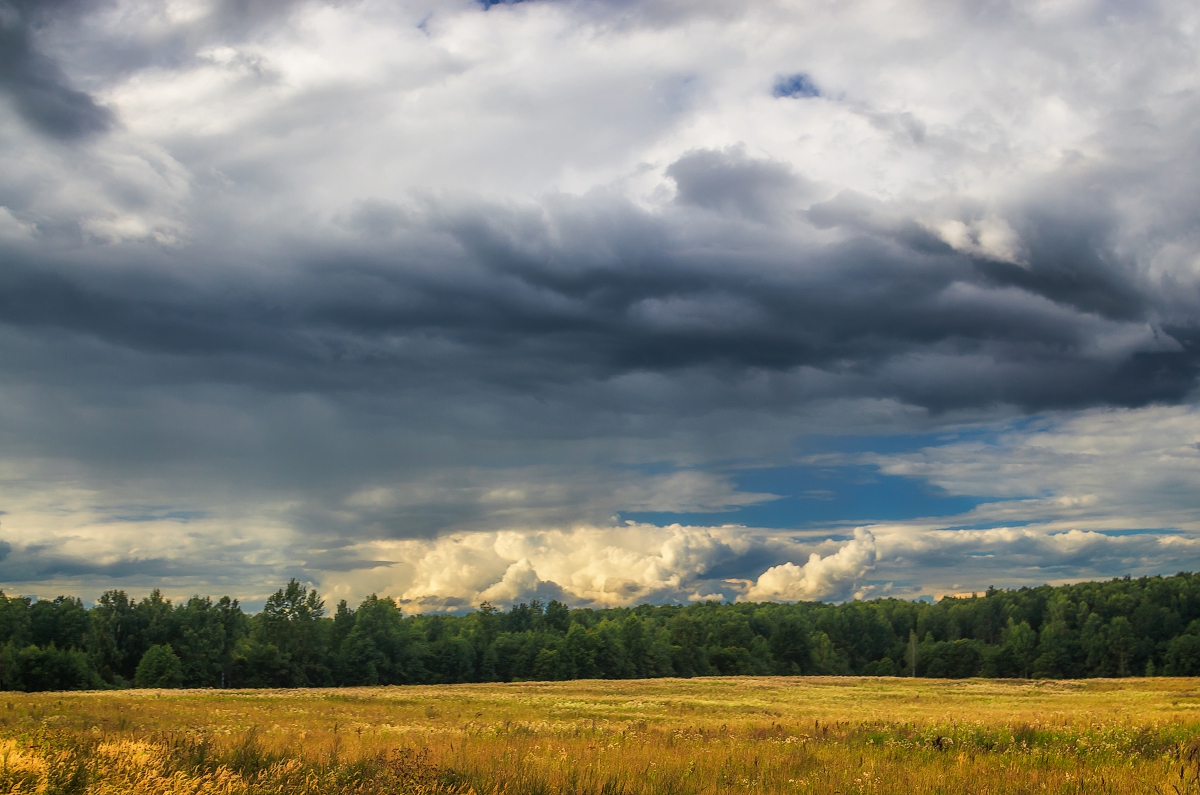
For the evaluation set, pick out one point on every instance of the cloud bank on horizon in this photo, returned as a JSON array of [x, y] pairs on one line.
[[600, 301]]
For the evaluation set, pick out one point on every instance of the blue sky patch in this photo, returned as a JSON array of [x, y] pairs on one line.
[[811, 495], [797, 85]]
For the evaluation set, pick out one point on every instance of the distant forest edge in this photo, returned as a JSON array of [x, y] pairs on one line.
[[1125, 627]]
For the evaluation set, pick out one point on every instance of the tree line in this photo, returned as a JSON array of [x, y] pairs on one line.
[[1124, 627]]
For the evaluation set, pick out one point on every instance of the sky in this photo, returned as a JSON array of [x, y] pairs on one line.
[[607, 301]]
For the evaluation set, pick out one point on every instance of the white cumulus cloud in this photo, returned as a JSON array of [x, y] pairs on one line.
[[831, 577]]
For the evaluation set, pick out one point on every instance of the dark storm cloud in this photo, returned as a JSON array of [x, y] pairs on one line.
[[874, 218], [36, 562], [1072, 259], [731, 181], [42, 565], [524, 298], [747, 565], [35, 85]]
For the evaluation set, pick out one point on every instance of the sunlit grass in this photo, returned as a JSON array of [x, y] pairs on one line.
[[738, 735]]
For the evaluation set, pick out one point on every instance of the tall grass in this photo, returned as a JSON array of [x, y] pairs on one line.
[[606, 738]]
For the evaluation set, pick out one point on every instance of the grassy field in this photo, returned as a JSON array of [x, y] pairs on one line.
[[735, 735]]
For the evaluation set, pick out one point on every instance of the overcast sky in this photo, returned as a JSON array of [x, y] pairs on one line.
[[605, 301]]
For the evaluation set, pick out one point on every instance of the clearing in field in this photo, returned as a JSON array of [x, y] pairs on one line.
[[730, 735]]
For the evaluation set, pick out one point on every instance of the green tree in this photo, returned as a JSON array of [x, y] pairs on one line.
[[1183, 653], [14, 620], [1021, 642], [580, 646], [62, 621], [259, 664], [825, 656], [955, 659], [154, 618], [35, 668], [159, 667], [454, 658], [113, 638], [204, 637], [551, 664], [790, 647], [291, 622], [1122, 642], [557, 617], [1058, 648], [380, 649]]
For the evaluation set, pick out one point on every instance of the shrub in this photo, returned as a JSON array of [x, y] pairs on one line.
[[159, 667], [34, 668]]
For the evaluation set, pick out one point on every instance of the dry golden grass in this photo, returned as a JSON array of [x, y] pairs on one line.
[[730, 735]]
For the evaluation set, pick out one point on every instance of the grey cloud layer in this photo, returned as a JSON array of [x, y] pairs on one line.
[[368, 271], [38, 89], [531, 298]]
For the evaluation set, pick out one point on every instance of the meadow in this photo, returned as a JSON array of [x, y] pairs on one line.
[[670, 736]]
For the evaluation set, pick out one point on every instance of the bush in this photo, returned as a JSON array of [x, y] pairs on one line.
[[34, 668], [884, 667], [159, 667]]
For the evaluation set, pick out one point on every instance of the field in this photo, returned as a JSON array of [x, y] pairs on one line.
[[732, 735]]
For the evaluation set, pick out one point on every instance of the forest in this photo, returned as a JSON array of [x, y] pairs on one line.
[[1124, 627]]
